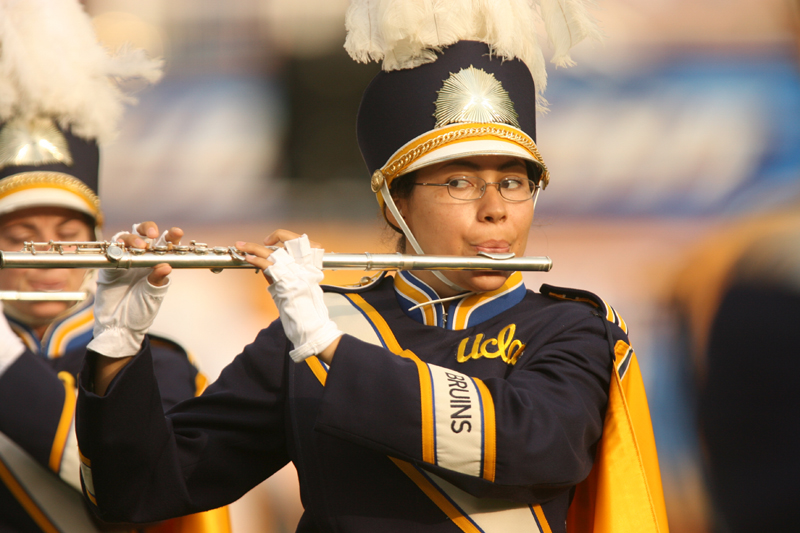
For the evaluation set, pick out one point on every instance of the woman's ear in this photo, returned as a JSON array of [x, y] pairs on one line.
[[401, 205]]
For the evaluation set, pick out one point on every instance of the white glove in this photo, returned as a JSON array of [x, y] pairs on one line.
[[11, 346], [295, 274], [125, 306]]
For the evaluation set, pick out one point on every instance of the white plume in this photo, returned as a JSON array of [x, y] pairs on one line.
[[568, 23], [51, 64], [407, 33]]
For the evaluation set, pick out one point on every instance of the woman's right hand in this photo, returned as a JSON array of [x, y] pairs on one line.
[[128, 300], [142, 236]]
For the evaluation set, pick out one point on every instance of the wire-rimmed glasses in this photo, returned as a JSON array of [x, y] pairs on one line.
[[512, 188]]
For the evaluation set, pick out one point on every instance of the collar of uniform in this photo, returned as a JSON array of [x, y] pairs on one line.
[[74, 326], [469, 311]]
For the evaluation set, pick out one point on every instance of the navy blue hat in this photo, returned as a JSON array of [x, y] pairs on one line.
[[42, 164], [466, 102]]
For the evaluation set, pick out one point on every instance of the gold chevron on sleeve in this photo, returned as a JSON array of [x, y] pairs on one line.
[[67, 415]]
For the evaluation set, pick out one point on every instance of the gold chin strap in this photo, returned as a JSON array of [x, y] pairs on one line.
[[387, 198]]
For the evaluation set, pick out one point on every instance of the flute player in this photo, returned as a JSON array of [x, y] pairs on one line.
[[428, 401], [59, 100]]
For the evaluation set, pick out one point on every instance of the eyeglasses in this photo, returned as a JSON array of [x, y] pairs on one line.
[[512, 189]]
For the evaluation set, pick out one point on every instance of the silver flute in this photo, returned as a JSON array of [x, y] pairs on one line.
[[104, 254]]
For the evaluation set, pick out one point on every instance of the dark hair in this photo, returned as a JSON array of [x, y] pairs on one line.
[[400, 190]]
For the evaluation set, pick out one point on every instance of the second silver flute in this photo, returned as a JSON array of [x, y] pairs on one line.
[[196, 255]]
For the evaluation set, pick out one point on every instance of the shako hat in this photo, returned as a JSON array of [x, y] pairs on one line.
[[59, 98], [43, 165], [460, 78], [467, 102]]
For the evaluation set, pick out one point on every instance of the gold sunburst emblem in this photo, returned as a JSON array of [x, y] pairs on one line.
[[32, 142], [473, 95]]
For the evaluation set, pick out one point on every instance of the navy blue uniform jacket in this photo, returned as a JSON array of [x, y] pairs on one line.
[[483, 418], [37, 403]]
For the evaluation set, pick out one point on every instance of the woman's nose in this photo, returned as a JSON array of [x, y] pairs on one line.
[[492, 204]]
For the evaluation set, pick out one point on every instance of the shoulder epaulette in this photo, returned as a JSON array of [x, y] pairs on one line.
[[366, 283], [577, 295]]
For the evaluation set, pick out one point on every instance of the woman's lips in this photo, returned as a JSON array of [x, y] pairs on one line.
[[493, 247], [48, 287]]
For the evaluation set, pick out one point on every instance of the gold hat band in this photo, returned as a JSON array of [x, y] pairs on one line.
[[455, 133], [53, 180]]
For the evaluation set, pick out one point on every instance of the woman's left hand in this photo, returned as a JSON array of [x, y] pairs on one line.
[[257, 254], [294, 274]]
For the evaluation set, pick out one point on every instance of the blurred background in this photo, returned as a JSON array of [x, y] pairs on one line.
[[668, 144]]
